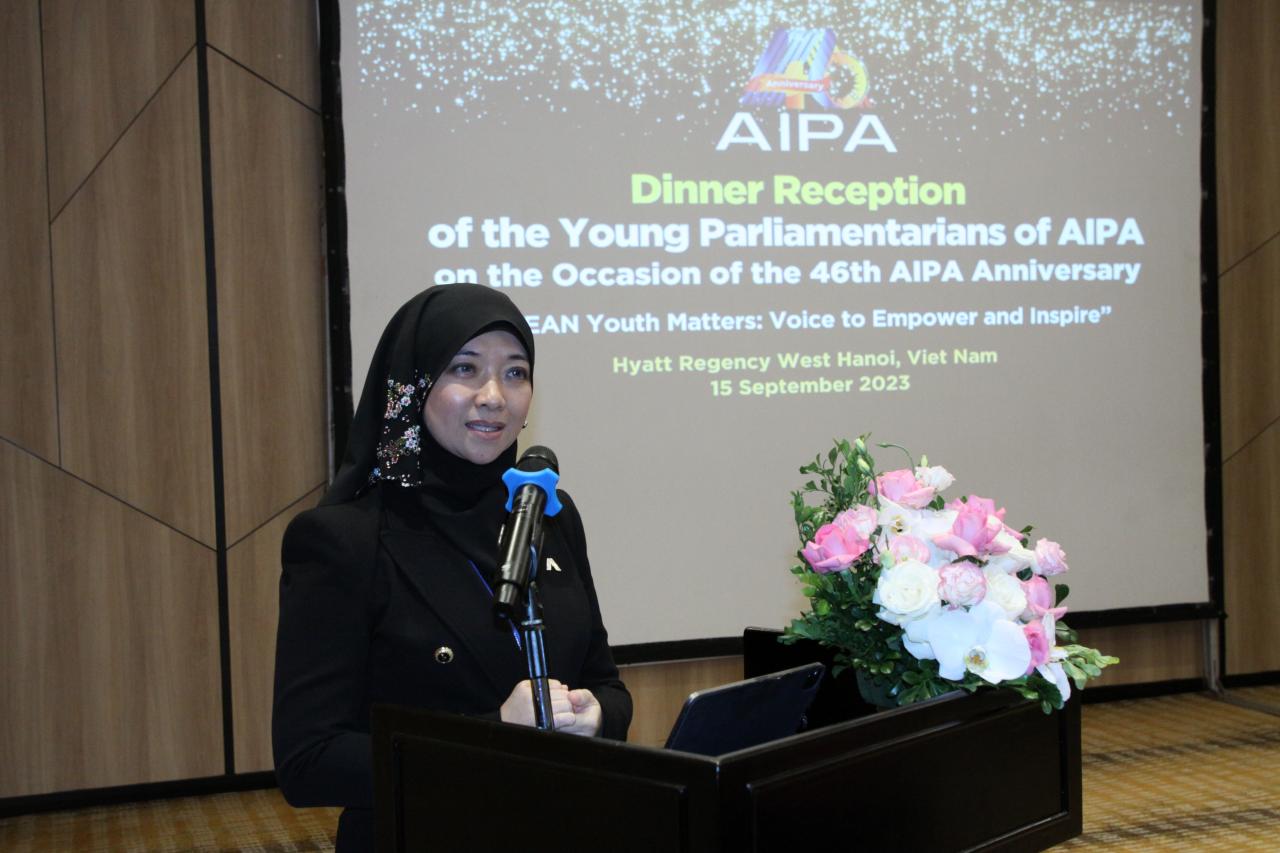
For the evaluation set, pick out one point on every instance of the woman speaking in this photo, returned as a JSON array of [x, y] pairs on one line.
[[386, 590]]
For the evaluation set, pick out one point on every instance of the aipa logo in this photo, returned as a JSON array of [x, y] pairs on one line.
[[798, 67]]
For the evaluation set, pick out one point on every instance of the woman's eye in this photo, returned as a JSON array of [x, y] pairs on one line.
[[462, 369], [520, 373]]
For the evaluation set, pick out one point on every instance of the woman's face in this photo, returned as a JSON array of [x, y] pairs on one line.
[[478, 406]]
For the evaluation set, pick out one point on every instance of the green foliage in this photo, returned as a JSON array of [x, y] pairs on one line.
[[1083, 663]]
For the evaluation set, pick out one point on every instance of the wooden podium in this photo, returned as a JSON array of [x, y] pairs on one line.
[[983, 772]]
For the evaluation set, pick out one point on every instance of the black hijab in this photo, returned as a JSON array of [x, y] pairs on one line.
[[388, 443]]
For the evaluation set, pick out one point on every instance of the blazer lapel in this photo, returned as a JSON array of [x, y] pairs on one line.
[[449, 586]]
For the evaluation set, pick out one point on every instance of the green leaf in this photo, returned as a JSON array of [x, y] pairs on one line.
[[1060, 591]]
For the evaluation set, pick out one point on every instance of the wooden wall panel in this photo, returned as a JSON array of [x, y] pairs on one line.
[[1249, 326], [1251, 506], [28, 412], [103, 61], [1248, 165], [253, 578], [279, 41], [132, 328], [109, 626], [268, 211], [1248, 125], [659, 690], [1168, 651]]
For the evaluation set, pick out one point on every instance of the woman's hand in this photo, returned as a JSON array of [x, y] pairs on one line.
[[586, 714], [575, 712], [518, 708]]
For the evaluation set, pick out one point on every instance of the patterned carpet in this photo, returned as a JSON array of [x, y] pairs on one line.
[[253, 820], [1183, 772]]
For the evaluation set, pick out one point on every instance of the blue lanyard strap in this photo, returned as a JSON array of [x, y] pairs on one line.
[[515, 633]]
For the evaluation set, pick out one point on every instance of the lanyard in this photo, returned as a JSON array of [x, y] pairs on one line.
[[515, 633]]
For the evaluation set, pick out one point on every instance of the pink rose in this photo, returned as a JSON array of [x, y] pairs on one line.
[[836, 545], [908, 548], [972, 533], [1038, 640], [961, 584], [903, 488], [986, 505], [989, 507], [1050, 558], [1040, 600]]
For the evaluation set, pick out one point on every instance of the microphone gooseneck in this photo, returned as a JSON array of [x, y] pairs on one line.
[[531, 494]]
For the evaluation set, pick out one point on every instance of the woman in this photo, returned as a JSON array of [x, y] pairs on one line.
[[385, 593]]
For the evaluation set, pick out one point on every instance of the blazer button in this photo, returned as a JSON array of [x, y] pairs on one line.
[[444, 654]]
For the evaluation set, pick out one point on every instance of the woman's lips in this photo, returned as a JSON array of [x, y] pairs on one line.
[[486, 429]]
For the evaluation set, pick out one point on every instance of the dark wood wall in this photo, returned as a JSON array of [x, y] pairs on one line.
[[162, 378], [1248, 148], [162, 382]]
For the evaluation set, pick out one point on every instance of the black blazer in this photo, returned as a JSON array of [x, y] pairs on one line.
[[370, 599]]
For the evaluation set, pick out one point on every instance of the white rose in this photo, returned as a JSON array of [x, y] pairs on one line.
[[1005, 590], [907, 591], [936, 476]]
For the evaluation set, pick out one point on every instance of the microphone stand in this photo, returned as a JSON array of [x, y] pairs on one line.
[[534, 651]]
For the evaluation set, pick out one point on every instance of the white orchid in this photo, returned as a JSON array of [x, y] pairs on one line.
[[1053, 671], [980, 640]]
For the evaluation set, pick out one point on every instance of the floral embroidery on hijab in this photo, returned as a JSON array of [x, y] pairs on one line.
[[401, 439]]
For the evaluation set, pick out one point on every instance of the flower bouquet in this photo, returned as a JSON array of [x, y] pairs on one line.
[[921, 596]]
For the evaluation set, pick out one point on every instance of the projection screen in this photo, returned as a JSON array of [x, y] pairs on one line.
[[742, 229]]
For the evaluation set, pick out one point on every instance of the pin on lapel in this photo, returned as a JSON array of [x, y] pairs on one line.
[[444, 654]]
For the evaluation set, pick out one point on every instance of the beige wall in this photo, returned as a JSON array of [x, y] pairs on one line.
[[124, 488]]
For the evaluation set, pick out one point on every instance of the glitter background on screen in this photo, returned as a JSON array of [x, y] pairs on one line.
[[972, 69]]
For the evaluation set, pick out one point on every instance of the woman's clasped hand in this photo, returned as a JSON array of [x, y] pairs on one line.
[[574, 712]]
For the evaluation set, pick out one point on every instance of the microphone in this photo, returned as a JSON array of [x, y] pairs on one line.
[[531, 494]]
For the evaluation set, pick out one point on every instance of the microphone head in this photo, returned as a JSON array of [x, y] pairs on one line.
[[538, 458]]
